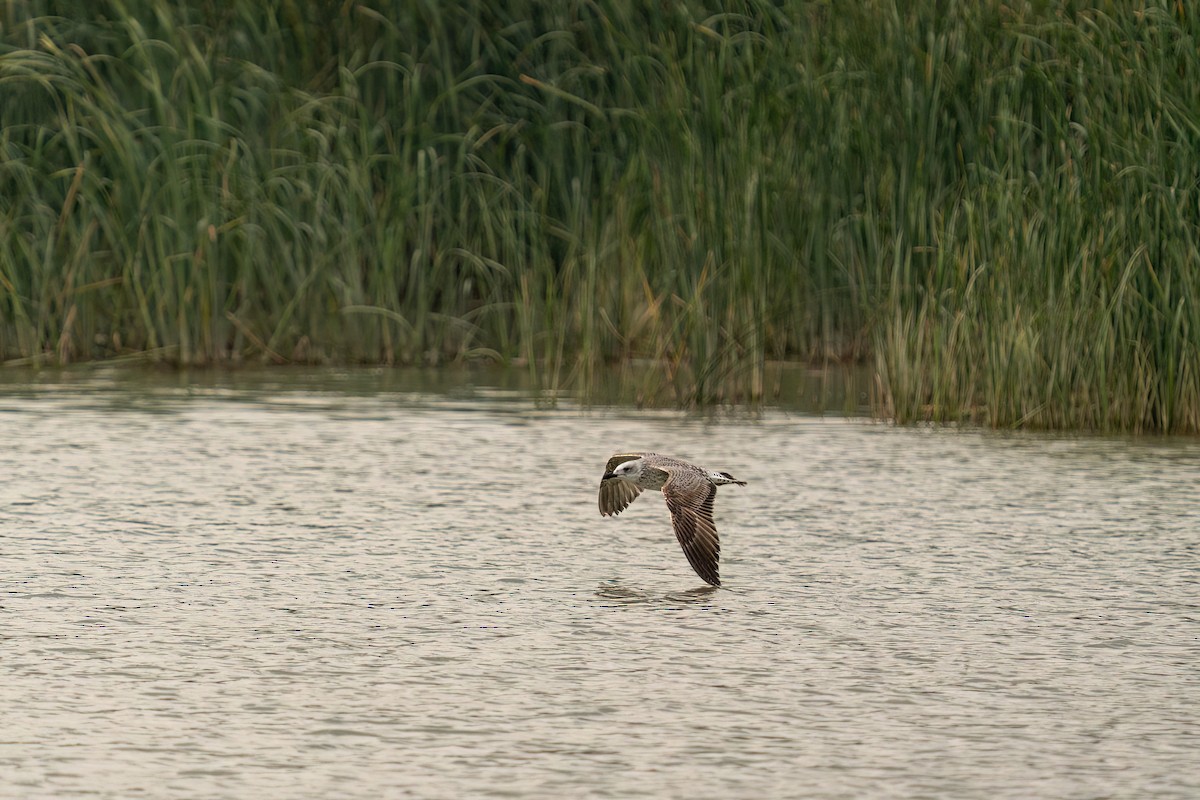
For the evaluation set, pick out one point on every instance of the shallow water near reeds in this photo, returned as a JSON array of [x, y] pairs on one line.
[[311, 585]]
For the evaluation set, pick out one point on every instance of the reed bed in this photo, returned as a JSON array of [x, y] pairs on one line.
[[995, 204]]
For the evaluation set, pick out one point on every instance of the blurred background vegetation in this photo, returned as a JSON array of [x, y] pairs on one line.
[[993, 206]]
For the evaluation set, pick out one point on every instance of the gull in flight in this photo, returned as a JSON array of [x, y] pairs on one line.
[[689, 491]]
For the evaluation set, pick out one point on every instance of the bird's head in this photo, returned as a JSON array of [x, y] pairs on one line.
[[629, 470]]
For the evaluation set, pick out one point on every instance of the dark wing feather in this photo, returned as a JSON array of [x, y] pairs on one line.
[[616, 494], [690, 500]]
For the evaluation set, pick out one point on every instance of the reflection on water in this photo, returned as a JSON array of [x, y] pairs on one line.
[[789, 385], [308, 584], [628, 596]]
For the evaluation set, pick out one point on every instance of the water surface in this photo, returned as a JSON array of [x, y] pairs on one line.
[[374, 588]]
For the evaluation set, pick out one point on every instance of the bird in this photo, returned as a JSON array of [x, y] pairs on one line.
[[689, 491]]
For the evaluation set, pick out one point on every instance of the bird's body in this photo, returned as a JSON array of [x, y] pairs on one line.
[[689, 491]]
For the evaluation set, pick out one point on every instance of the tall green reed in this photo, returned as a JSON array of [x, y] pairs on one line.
[[995, 203]]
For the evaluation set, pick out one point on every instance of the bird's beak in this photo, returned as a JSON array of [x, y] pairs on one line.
[[608, 475]]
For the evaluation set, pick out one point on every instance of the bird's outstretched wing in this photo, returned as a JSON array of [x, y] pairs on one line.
[[616, 495], [690, 499]]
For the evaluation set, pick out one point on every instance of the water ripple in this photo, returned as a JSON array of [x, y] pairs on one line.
[[221, 593]]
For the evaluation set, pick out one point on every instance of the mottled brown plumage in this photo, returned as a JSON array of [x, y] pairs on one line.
[[689, 491]]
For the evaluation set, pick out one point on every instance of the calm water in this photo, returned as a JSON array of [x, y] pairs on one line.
[[349, 589]]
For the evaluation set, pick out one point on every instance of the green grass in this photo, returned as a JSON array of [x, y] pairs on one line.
[[996, 204]]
